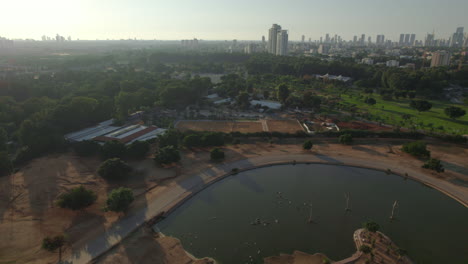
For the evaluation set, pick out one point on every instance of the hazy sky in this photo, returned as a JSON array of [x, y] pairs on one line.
[[235, 19]]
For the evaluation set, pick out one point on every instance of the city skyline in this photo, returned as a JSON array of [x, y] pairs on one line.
[[214, 20]]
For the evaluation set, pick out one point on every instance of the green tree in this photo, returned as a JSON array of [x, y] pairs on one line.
[[283, 92], [243, 100], [213, 139], [346, 139], [365, 249], [193, 140], [217, 154], [53, 243], [167, 155], [86, 148], [114, 169], [370, 101], [454, 112], [420, 105], [371, 226], [307, 145], [6, 167], [169, 138], [434, 164], [77, 198], [416, 148], [119, 199], [138, 149], [3, 139], [113, 149]]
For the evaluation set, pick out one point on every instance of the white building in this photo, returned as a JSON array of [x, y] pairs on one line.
[[367, 61], [392, 63]]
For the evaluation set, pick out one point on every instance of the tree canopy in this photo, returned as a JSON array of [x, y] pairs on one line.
[[167, 155], [454, 112], [77, 198], [114, 169], [119, 199]]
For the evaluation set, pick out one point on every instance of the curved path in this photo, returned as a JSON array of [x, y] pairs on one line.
[[185, 187]]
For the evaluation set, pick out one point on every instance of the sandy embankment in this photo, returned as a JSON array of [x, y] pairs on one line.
[[28, 212]]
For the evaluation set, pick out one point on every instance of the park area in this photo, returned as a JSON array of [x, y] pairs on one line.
[[399, 113], [282, 126]]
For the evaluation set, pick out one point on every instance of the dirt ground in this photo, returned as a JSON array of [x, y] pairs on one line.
[[146, 247], [27, 199], [283, 126]]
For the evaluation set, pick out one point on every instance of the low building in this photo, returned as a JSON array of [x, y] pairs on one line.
[[265, 103], [105, 131], [392, 63], [367, 61]]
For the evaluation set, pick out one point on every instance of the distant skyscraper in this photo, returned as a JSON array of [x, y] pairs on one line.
[[327, 38], [282, 43], [263, 39], [429, 42], [363, 39], [355, 39], [407, 39], [412, 39], [402, 39], [440, 58], [369, 40], [272, 38], [457, 38], [303, 38]]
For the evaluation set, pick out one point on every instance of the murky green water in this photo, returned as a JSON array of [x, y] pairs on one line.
[[432, 227]]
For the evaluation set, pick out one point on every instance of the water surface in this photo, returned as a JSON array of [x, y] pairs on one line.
[[217, 222]]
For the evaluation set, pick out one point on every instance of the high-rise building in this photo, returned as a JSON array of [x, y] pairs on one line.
[[412, 39], [355, 39], [407, 39], [429, 42], [282, 43], [272, 38], [402, 39], [363, 39], [323, 49], [369, 40], [327, 38], [263, 39], [457, 38], [303, 39], [440, 58]]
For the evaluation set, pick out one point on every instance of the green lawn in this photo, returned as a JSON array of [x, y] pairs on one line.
[[390, 112]]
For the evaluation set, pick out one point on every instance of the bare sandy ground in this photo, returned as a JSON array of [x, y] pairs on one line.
[[28, 212], [147, 247]]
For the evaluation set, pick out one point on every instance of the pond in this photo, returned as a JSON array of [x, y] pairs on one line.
[[265, 212]]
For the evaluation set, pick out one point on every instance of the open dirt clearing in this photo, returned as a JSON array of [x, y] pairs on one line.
[[283, 126]]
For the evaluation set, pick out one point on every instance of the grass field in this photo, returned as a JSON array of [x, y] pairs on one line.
[[391, 112]]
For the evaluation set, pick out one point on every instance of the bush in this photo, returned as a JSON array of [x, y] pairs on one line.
[[138, 149], [416, 148], [53, 243], [371, 226], [113, 149], [114, 169], [454, 112], [365, 249], [434, 164], [420, 105], [307, 145], [213, 139], [217, 154], [77, 198], [167, 155], [119, 199], [170, 138], [193, 140], [86, 148], [346, 139], [370, 101]]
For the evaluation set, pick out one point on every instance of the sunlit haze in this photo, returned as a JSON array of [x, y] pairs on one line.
[[219, 20]]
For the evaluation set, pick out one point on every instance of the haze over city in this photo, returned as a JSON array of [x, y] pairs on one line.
[[219, 20]]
